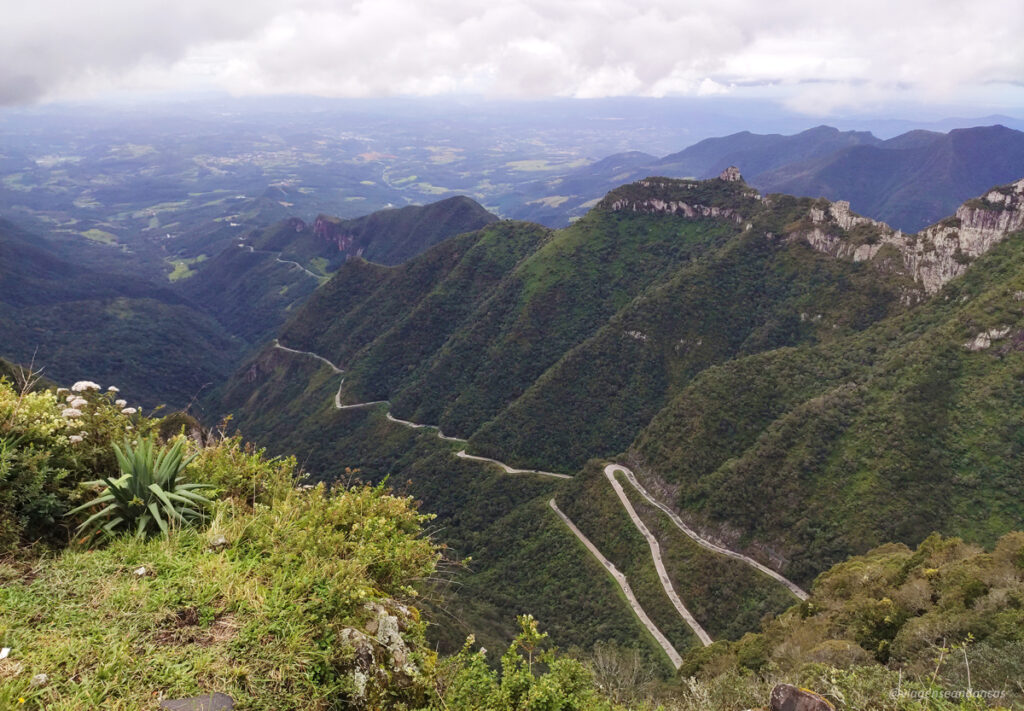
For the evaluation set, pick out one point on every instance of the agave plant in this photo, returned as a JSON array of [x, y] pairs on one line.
[[148, 493]]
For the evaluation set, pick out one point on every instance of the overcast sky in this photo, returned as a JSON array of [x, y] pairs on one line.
[[818, 56]]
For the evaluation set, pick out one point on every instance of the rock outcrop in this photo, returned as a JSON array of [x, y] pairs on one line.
[[731, 174], [786, 697], [933, 256], [692, 199], [330, 230], [381, 657]]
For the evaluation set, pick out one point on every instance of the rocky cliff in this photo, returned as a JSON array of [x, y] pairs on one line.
[[931, 257]]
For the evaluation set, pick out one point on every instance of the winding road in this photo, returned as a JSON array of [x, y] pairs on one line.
[[412, 425], [703, 542], [610, 471], [277, 256], [662, 640], [659, 564]]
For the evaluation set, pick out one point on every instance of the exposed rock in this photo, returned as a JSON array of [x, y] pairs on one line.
[[984, 339], [330, 230], [213, 702], [675, 207], [731, 174], [218, 543], [362, 645], [935, 255], [786, 697]]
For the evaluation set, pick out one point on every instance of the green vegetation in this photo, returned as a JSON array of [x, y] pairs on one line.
[[946, 615], [148, 491], [100, 236], [182, 268], [726, 596], [296, 597], [75, 321], [793, 405], [825, 451]]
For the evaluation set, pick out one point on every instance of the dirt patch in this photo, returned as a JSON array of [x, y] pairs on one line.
[[182, 627]]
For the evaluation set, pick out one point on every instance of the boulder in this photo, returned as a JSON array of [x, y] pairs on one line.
[[786, 697]]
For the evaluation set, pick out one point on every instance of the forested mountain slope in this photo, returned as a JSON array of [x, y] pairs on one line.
[[800, 382], [253, 286], [78, 323]]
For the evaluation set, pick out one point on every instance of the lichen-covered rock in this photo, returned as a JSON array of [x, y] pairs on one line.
[[383, 657]]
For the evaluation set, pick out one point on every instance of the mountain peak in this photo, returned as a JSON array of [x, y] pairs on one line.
[[723, 197]]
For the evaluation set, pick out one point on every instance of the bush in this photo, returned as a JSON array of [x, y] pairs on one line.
[[531, 678], [241, 471], [50, 441], [148, 491]]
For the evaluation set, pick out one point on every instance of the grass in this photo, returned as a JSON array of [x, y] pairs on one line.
[[258, 618], [99, 236], [183, 267]]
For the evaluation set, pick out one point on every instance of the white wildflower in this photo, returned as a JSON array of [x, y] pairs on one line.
[[112, 389], [83, 385], [61, 391], [70, 412], [79, 402], [129, 411], [69, 398], [121, 403], [75, 439]]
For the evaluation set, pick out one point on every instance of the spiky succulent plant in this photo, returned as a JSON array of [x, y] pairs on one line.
[[148, 496]]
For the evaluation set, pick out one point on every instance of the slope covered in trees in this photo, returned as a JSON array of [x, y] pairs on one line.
[[801, 383]]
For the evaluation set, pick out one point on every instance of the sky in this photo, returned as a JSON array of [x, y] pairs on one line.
[[814, 57]]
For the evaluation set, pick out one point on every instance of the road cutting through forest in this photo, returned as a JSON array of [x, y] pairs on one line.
[[610, 470]]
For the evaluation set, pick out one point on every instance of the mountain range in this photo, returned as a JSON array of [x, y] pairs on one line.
[[909, 181], [796, 381]]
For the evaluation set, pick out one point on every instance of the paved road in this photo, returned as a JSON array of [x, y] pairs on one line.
[[507, 469], [414, 425], [703, 542], [662, 640], [659, 564], [277, 256], [609, 471]]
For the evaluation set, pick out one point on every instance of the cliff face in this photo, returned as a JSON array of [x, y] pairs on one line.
[[931, 257], [727, 197], [332, 231]]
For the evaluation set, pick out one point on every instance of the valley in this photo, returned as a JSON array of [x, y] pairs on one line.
[[660, 426]]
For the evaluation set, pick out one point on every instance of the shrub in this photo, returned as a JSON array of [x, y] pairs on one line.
[[50, 441], [243, 472], [148, 490]]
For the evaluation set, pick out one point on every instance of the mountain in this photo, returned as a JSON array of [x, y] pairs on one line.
[[798, 382], [252, 286], [79, 323], [909, 181], [755, 154]]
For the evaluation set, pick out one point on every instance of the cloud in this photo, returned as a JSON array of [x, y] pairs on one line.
[[816, 54]]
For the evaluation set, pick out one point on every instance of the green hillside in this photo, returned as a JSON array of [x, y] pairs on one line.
[[792, 378], [253, 286], [78, 323]]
